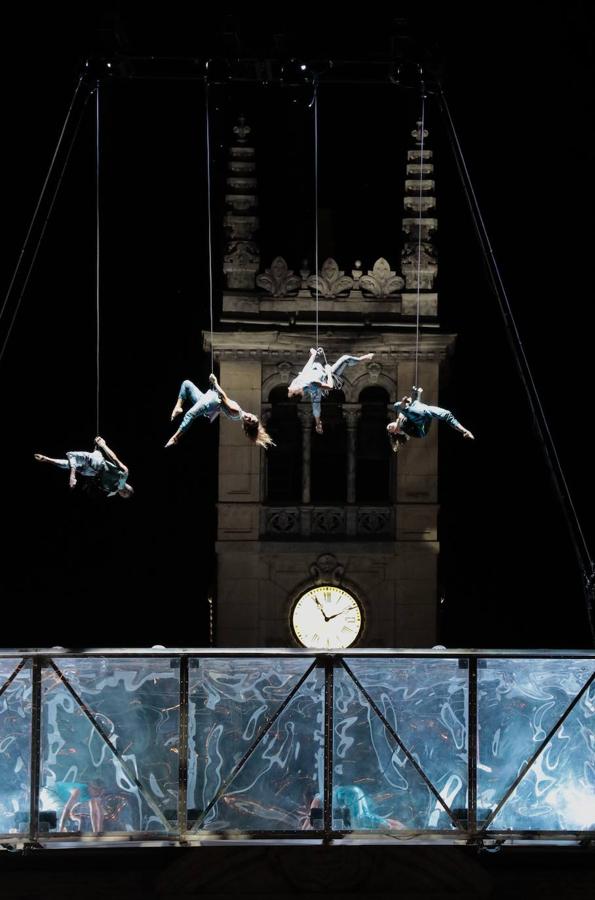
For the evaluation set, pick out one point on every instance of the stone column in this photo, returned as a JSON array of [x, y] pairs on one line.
[[265, 417], [305, 416], [352, 414]]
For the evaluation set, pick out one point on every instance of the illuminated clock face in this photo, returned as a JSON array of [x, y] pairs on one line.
[[327, 618]]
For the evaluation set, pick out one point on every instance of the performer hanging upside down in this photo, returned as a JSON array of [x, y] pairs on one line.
[[210, 405], [316, 380], [73, 793], [101, 464], [414, 419]]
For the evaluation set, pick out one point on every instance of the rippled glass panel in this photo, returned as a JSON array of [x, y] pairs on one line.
[[375, 785], [15, 746], [557, 793], [519, 702], [426, 703], [236, 781], [135, 702]]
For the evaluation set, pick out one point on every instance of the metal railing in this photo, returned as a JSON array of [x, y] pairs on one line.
[[187, 746]]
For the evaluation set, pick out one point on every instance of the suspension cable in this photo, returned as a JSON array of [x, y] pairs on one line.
[[36, 213], [316, 225], [581, 548], [209, 216], [419, 212], [97, 259]]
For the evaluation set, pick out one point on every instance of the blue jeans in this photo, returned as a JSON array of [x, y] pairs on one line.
[[343, 363], [421, 415], [208, 404], [337, 370]]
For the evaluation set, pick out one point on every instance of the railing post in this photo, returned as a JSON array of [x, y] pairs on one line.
[[183, 750], [329, 666], [36, 669], [472, 749]]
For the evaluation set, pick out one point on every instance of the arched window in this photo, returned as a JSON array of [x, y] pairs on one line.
[[373, 464], [284, 462], [329, 454]]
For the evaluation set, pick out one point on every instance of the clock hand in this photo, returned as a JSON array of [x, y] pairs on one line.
[[317, 602], [347, 608]]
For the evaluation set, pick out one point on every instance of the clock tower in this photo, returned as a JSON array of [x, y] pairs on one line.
[[327, 539]]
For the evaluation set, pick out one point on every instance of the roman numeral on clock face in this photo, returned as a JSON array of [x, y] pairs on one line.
[[326, 617]]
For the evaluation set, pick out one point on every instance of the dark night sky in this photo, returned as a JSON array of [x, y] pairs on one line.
[[82, 572]]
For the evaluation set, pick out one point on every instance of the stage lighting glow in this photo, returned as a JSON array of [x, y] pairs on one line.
[[575, 805]]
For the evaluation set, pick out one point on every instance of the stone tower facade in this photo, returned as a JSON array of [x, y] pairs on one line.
[[364, 518]]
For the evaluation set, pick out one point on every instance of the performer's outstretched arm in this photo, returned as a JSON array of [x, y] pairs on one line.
[[230, 406], [68, 807], [109, 454], [68, 463], [306, 374]]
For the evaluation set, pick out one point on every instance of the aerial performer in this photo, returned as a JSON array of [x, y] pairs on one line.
[[209, 405], [316, 380], [414, 419], [101, 464]]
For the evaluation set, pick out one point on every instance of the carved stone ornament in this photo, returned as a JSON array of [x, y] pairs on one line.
[[381, 282], [327, 568], [419, 204], [417, 229], [241, 254], [331, 281], [373, 521], [427, 257], [427, 266], [241, 130], [417, 169], [328, 521], [374, 371], [414, 185], [279, 280], [283, 521], [417, 133], [285, 370]]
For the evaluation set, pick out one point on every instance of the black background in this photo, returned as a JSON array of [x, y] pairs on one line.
[[83, 571]]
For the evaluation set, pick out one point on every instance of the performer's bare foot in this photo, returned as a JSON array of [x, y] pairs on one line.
[[39, 457], [177, 410], [318, 428], [366, 357], [173, 439]]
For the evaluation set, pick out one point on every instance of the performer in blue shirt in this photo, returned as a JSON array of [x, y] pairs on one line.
[[414, 419], [316, 380], [209, 405], [102, 464], [71, 793]]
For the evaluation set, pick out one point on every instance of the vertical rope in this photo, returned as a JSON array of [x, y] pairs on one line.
[[316, 264], [209, 216], [421, 165], [97, 253]]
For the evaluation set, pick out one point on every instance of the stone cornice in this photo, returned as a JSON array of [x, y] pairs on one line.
[[274, 345], [244, 304], [240, 305]]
